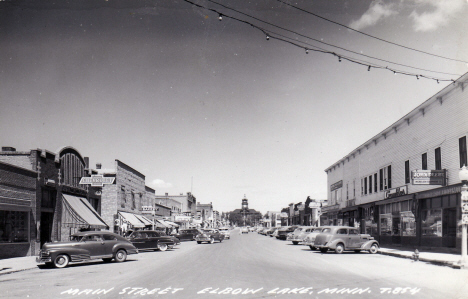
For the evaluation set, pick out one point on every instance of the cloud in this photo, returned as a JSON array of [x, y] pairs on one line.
[[160, 184], [440, 16], [377, 11]]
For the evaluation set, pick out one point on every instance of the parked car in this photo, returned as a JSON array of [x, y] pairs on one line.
[[226, 232], [270, 231], [244, 230], [341, 238], [275, 232], [187, 234], [152, 240], [299, 234], [283, 232], [85, 246], [309, 239], [209, 235]]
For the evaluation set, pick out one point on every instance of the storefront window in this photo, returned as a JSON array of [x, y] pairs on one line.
[[408, 224], [13, 226], [385, 224], [432, 223]]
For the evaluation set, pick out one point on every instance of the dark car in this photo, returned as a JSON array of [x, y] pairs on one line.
[[187, 234], [152, 240], [85, 246], [341, 238], [209, 235], [284, 231]]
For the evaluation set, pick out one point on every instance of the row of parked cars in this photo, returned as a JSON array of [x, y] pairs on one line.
[[91, 245], [324, 238]]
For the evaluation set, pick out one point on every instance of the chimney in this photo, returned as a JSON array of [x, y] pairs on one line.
[[98, 165], [8, 149]]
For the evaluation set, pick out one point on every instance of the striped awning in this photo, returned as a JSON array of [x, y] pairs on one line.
[[132, 219], [80, 212]]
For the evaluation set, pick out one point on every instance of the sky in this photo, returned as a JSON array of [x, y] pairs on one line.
[[211, 106]]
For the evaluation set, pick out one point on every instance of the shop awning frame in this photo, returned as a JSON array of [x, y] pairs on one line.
[[132, 219], [82, 212]]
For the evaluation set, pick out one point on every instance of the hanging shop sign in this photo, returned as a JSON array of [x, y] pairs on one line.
[[429, 177], [395, 192], [96, 180], [147, 209], [336, 185]]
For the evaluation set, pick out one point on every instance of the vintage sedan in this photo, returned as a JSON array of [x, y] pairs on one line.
[[309, 239], [299, 234], [85, 246], [226, 232], [152, 240], [187, 234], [244, 230], [284, 231], [341, 238], [209, 235]]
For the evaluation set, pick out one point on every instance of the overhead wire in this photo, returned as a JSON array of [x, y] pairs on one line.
[[331, 45], [368, 35], [269, 36]]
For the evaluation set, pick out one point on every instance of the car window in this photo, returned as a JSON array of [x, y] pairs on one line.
[[93, 238], [342, 231], [109, 237], [326, 230], [75, 238], [353, 232]]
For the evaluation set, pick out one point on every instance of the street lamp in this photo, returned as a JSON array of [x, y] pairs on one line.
[[463, 175]]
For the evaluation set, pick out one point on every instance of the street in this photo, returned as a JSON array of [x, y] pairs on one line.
[[246, 266]]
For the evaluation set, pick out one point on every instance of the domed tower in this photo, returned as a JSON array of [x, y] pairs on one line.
[[245, 204]]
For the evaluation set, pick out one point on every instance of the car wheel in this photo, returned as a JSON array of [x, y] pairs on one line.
[[374, 248], [211, 241], [162, 246], [295, 242], [323, 250], [61, 261], [339, 248], [199, 242], [311, 247], [121, 256], [107, 260]]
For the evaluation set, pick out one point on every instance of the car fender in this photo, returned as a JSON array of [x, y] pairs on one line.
[[332, 244], [71, 252], [367, 245], [129, 248]]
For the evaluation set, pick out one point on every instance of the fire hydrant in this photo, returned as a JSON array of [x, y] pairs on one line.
[[416, 255]]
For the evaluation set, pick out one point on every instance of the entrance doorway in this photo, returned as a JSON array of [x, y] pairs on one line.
[[45, 229]]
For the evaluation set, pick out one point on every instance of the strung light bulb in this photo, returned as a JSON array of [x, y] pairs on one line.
[[368, 69], [267, 37], [339, 58], [307, 51], [417, 77], [220, 17]]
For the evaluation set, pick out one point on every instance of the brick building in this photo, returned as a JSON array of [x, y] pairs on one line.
[[61, 206], [205, 214], [183, 208], [402, 186], [123, 201]]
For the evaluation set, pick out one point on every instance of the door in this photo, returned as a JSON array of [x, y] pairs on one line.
[[45, 228], [94, 244], [449, 227], [354, 239]]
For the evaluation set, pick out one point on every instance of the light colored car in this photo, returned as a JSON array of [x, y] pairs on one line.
[[299, 234], [309, 239], [341, 238], [209, 235], [226, 232], [244, 230]]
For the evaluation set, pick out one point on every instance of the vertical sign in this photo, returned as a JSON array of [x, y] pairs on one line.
[[464, 206]]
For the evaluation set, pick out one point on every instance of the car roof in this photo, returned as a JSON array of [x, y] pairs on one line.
[[93, 232]]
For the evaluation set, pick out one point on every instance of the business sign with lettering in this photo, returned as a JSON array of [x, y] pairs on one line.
[[428, 177], [96, 180], [395, 192], [336, 185]]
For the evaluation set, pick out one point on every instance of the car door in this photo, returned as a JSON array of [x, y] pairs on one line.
[[139, 240], [109, 242], [93, 244], [354, 239], [152, 239]]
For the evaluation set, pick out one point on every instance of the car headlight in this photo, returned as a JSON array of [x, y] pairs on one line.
[[46, 252]]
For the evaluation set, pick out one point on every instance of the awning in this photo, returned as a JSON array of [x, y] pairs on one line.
[[394, 199], [172, 223], [82, 212], [162, 222], [132, 219], [143, 219]]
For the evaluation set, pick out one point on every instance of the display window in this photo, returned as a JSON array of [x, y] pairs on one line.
[[432, 223], [408, 224], [14, 227], [386, 224]]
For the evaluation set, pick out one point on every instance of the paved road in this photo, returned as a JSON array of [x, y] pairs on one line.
[[247, 266]]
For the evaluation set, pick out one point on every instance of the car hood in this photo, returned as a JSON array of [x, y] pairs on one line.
[[58, 245]]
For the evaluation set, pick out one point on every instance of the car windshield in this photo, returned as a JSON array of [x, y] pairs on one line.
[[326, 230], [75, 238]]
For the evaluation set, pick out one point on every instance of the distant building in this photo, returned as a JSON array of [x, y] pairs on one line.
[[205, 214], [183, 208], [245, 216]]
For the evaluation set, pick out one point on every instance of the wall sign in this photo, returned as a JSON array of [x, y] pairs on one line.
[[428, 177], [336, 185], [96, 180], [395, 192]]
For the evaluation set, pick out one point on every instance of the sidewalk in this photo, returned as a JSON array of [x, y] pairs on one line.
[[442, 259]]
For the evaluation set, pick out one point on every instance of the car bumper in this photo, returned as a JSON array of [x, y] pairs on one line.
[[43, 259], [202, 239]]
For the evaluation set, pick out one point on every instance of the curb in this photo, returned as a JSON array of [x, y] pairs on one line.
[[427, 260]]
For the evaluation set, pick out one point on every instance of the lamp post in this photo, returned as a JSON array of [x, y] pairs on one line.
[[463, 175]]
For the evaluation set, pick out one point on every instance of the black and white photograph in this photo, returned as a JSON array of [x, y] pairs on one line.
[[233, 149]]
